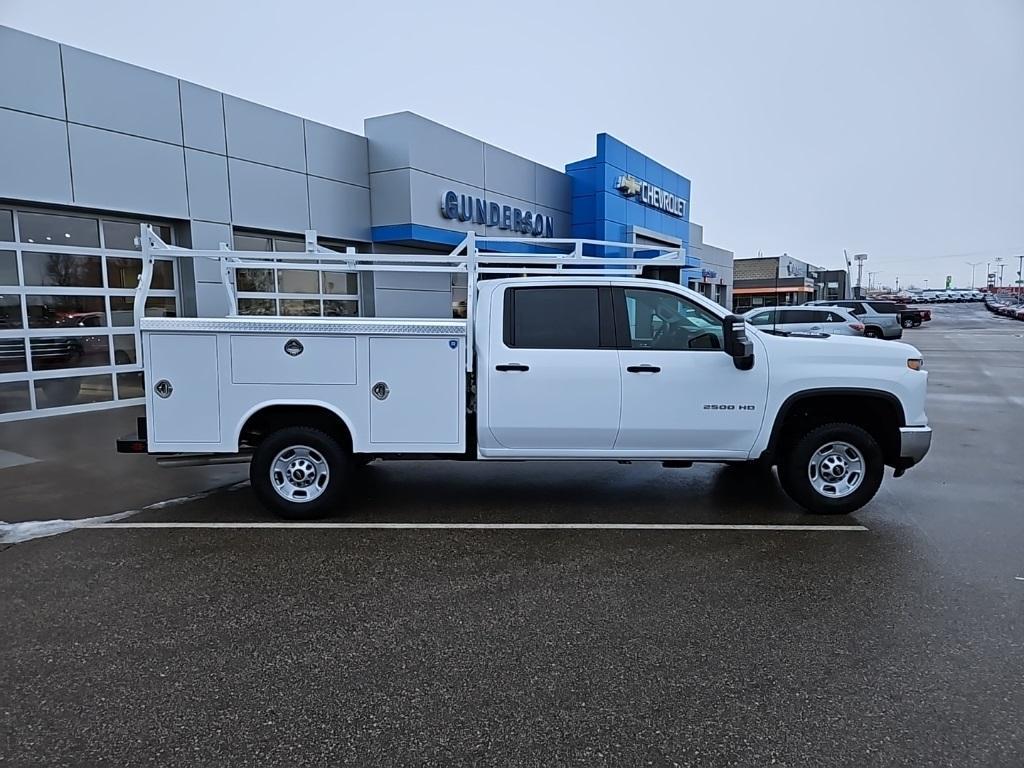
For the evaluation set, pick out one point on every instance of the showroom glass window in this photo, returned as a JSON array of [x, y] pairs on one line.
[[67, 289], [282, 291]]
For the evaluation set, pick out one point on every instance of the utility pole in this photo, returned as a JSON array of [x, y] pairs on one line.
[[972, 265], [871, 279], [1020, 273], [999, 263]]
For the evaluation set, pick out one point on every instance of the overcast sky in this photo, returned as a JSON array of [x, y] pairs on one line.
[[891, 127]]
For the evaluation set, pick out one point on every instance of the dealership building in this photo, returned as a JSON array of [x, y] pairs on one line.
[[91, 147]]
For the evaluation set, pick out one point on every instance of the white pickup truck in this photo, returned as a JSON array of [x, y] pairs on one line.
[[577, 360]]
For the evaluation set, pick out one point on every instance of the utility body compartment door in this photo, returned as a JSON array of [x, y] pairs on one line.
[[189, 410], [416, 391]]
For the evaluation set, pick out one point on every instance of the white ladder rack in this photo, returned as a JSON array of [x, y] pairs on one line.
[[564, 257]]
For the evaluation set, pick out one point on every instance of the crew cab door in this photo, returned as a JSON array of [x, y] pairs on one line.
[[681, 393], [552, 370]]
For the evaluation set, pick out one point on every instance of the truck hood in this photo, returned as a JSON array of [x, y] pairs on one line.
[[847, 348]]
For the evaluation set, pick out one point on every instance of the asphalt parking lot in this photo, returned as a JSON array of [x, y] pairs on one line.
[[893, 637]]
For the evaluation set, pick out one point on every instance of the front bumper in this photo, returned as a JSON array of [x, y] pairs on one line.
[[914, 444]]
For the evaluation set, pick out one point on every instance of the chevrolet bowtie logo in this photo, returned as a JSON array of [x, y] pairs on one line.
[[627, 185]]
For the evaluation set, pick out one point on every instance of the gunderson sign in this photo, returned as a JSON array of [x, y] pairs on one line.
[[648, 194], [480, 211]]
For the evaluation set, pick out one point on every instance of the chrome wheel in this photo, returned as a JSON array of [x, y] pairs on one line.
[[836, 470], [299, 474]]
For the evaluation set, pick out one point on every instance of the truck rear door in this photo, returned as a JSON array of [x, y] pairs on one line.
[[553, 370]]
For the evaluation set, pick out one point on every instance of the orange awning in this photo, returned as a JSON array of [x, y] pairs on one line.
[[780, 289]]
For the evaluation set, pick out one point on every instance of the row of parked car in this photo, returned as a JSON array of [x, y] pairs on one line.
[[1007, 305], [874, 319], [941, 297]]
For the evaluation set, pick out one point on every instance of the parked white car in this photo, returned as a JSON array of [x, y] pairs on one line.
[[835, 321]]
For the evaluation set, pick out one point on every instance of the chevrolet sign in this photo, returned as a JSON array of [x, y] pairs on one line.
[[648, 194]]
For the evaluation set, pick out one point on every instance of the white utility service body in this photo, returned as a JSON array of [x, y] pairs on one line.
[[660, 373]]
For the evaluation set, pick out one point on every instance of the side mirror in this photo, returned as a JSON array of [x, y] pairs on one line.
[[737, 345]]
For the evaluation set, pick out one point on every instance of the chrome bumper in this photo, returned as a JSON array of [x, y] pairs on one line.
[[914, 443]]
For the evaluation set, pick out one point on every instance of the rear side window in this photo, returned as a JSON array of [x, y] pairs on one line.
[[763, 318], [884, 307], [795, 316], [553, 318], [828, 317]]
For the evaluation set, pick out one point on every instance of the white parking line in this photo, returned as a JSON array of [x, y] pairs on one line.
[[495, 526]]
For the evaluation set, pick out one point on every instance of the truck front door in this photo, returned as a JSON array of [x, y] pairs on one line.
[[681, 393], [553, 371]]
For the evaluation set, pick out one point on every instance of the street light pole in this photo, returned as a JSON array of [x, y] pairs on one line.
[[972, 265], [860, 258]]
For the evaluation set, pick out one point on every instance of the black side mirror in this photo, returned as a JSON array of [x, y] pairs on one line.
[[737, 345]]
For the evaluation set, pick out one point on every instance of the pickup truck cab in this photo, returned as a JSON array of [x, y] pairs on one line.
[[547, 367]]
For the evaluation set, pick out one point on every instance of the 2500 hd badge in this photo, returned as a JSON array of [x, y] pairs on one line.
[[714, 407]]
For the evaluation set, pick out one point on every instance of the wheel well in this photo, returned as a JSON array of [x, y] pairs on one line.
[[878, 413], [273, 417]]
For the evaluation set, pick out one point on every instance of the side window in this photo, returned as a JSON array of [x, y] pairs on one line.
[[553, 318], [855, 307], [794, 316], [827, 317], [663, 320], [762, 318]]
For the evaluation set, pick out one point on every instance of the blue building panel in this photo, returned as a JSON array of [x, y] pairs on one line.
[[648, 190]]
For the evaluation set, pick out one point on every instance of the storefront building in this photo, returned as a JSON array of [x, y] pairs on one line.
[[91, 147], [770, 281]]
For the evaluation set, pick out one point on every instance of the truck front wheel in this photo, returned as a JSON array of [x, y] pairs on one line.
[[300, 473], [833, 469]]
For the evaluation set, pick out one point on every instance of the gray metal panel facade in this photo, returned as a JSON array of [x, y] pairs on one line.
[[110, 94], [390, 198], [202, 117], [554, 189], [207, 176], [268, 198], [264, 135], [338, 210], [414, 161], [509, 174], [125, 173], [337, 155], [426, 146], [34, 161], [32, 80]]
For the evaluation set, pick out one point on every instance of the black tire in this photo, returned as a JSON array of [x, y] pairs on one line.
[[794, 469], [872, 333], [323, 449], [908, 323]]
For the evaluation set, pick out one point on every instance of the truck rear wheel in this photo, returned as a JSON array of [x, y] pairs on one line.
[[834, 469], [300, 473]]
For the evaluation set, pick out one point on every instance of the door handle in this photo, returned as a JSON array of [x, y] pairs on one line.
[[512, 367], [643, 369]]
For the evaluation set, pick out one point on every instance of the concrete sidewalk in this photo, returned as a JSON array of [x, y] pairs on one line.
[[68, 467]]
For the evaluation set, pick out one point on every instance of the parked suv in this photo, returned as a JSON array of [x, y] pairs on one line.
[[880, 321], [836, 321]]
